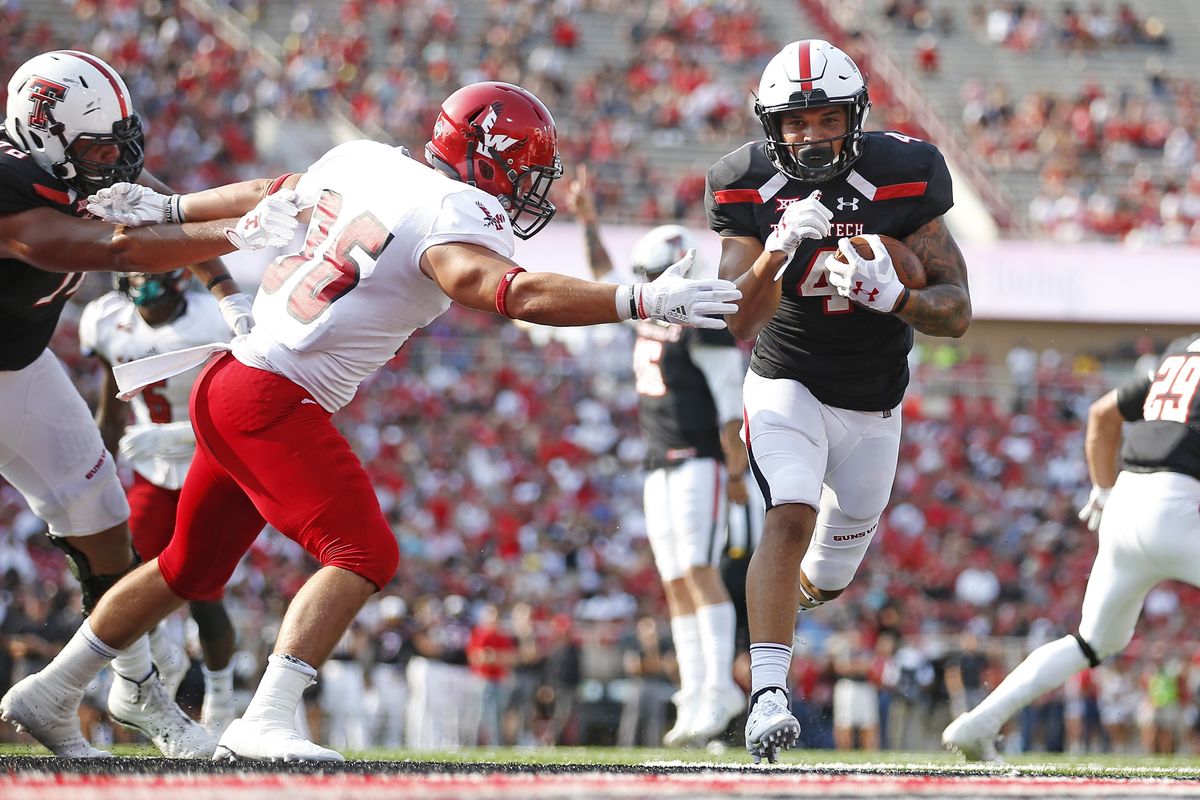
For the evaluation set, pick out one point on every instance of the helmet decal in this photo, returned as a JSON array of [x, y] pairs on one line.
[[44, 94]]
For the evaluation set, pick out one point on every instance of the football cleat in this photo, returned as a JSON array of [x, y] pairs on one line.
[[972, 736], [771, 727], [49, 716], [268, 740], [144, 706], [718, 707], [685, 713]]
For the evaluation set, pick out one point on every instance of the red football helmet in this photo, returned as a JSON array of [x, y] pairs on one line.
[[502, 139]]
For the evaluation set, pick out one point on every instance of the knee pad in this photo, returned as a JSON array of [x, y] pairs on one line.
[[811, 597], [836, 552], [92, 586]]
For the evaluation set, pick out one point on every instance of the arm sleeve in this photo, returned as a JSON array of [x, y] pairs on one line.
[[724, 372], [1131, 398]]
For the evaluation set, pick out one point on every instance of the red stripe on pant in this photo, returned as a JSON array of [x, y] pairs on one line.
[[267, 452]]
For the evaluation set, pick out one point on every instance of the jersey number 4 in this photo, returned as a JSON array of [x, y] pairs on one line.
[[1174, 388], [331, 265], [815, 283]]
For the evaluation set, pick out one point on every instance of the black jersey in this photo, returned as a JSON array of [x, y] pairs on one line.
[[31, 299], [676, 408], [1165, 409], [845, 355]]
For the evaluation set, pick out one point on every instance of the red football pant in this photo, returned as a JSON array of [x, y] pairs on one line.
[[268, 453], [151, 516]]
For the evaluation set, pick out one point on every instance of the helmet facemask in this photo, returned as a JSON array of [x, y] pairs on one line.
[[96, 161], [814, 161], [148, 290]]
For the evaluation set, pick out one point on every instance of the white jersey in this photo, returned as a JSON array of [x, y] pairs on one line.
[[330, 315], [111, 328]]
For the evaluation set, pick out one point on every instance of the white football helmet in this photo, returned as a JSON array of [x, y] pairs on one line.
[[659, 249], [72, 114], [812, 74]]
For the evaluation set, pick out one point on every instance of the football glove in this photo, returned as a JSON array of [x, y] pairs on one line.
[[271, 223], [237, 311], [134, 205], [674, 298], [168, 440], [1094, 508], [872, 283], [802, 219]]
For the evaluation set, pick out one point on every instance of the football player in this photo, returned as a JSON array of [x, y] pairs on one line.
[[1146, 517], [149, 314], [689, 390], [391, 242], [829, 366], [69, 130]]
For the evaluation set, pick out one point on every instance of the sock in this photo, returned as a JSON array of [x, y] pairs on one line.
[[685, 633], [79, 662], [716, 623], [134, 662], [1046, 668], [770, 663], [164, 650], [218, 682], [279, 691]]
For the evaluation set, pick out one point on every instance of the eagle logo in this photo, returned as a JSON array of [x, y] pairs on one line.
[[491, 220]]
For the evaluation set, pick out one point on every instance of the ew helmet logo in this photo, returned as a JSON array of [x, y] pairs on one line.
[[497, 142]]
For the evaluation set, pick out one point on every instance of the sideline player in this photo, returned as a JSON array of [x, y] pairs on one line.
[[390, 244], [149, 314], [690, 410], [1148, 529], [70, 129], [829, 366]]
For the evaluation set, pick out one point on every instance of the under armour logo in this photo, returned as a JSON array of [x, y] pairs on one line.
[[851, 204], [858, 289]]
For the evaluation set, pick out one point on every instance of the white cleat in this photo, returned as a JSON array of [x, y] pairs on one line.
[[269, 740], [771, 727], [48, 716], [145, 707], [718, 707], [685, 713], [973, 737], [217, 712]]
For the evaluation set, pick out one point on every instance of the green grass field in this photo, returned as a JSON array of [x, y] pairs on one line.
[[1043, 764]]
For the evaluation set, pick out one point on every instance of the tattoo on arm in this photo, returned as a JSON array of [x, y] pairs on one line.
[[597, 256], [943, 307]]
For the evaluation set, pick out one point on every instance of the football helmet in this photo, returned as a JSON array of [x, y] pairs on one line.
[[72, 114], [502, 139], [147, 289], [812, 74], [659, 249]]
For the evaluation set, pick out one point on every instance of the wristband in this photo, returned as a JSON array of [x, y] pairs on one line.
[[172, 212], [502, 291], [219, 279], [903, 300], [626, 302]]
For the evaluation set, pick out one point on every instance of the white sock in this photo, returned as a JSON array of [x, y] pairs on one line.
[[79, 662], [770, 663], [163, 648], [685, 633], [134, 662], [218, 682], [279, 691], [1044, 669], [716, 623]]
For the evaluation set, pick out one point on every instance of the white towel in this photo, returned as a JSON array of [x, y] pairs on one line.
[[134, 376]]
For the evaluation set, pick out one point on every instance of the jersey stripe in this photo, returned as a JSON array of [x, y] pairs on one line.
[[113, 80], [806, 75], [897, 190], [737, 196], [53, 195]]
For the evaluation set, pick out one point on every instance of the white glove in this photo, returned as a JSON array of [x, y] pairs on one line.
[[271, 223], [133, 204], [1094, 508], [872, 283], [145, 441], [802, 219], [237, 309], [671, 297]]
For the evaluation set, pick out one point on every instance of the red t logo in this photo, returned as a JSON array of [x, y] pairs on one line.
[[45, 95]]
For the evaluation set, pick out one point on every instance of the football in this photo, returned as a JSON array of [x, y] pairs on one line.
[[908, 266]]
